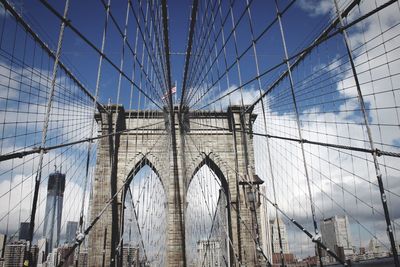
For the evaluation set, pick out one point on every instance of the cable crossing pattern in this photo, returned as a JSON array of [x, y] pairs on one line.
[[207, 133]]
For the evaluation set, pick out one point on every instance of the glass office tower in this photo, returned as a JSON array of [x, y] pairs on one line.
[[54, 205]]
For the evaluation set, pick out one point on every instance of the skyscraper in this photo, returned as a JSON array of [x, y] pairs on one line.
[[335, 233], [275, 236], [24, 231], [54, 205], [70, 234], [265, 226]]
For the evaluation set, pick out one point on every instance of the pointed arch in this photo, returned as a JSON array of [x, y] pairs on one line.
[[216, 169], [225, 188], [138, 166], [131, 210]]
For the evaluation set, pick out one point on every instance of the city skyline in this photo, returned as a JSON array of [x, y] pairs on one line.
[[269, 129]]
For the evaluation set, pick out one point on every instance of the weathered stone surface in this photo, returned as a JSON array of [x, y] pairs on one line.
[[217, 139]]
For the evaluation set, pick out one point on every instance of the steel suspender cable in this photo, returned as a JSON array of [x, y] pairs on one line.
[[188, 52], [80, 238], [266, 132], [38, 177], [86, 40], [317, 235], [371, 142]]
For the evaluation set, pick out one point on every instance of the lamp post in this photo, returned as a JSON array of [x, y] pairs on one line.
[[252, 189]]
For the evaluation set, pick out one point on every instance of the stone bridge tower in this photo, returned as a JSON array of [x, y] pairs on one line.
[[226, 147]]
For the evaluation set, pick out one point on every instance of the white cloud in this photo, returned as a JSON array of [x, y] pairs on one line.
[[317, 7], [248, 94], [25, 90], [332, 182], [337, 177], [19, 203]]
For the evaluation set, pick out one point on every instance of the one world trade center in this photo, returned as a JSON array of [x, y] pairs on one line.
[[54, 206]]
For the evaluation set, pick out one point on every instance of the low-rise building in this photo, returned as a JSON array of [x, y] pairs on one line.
[[14, 254]]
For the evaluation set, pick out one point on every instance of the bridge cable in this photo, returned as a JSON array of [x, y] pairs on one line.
[[93, 46], [45, 128], [235, 209], [315, 238], [198, 174], [188, 51], [51, 53], [300, 56], [299, 129], [266, 132], [80, 238], [371, 141]]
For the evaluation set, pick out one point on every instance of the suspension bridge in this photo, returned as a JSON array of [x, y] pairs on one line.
[[199, 133]]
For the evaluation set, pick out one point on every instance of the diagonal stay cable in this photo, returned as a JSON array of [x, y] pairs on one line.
[[148, 50], [324, 36], [95, 48], [315, 239], [298, 57], [197, 66], [81, 237], [253, 237], [230, 35], [376, 151], [137, 222], [189, 50], [51, 53], [49, 148]]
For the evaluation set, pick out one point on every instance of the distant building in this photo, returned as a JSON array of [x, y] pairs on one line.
[[375, 249], [42, 251], [72, 228], [266, 243], [34, 255], [336, 236], [209, 253], [14, 254], [52, 258], [311, 261], [24, 231], [275, 236], [130, 256], [54, 206], [289, 258]]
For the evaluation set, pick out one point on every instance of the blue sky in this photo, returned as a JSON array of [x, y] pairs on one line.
[[88, 17], [329, 108]]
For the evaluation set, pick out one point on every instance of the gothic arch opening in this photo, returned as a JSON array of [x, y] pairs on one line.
[[207, 217], [144, 228]]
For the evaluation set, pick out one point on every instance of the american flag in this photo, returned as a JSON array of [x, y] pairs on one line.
[[173, 91]]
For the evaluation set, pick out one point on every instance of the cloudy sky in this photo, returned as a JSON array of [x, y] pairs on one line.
[[342, 181]]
